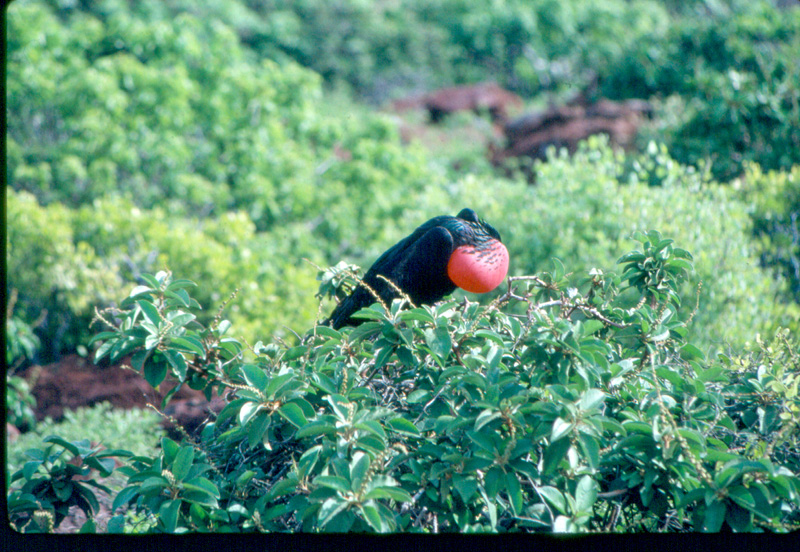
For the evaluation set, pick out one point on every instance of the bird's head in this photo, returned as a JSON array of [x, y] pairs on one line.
[[479, 262]]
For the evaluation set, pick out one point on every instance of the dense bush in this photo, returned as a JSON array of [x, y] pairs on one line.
[[175, 113], [732, 82], [776, 200], [136, 430], [69, 272], [580, 414]]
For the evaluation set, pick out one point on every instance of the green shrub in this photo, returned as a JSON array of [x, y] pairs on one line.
[[58, 280], [22, 344], [50, 487], [775, 197], [249, 176], [43, 465], [19, 403], [69, 272], [136, 430], [581, 415], [736, 82]]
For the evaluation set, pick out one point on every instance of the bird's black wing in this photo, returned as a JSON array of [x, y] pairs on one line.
[[422, 271], [395, 254], [417, 264]]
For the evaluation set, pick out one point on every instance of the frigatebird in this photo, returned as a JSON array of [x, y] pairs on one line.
[[442, 254]]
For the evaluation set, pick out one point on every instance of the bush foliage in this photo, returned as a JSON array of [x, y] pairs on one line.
[[581, 414]]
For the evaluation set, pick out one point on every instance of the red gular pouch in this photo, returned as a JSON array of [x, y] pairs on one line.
[[478, 269]]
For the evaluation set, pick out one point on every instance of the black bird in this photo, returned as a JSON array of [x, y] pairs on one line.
[[444, 253]]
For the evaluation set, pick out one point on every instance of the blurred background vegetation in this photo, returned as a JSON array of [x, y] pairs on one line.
[[232, 140]]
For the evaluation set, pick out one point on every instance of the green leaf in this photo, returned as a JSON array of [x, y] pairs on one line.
[[514, 491], [150, 279], [330, 509], [485, 417], [139, 290], [293, 414], [554, 497], [103, 465], [591, 449], [255, 376], [183, 463], [493, 336], [358, 468], [105, 349], [634, 257], [202, 485], [327, 331], [189, 344], [383, 355], [168, 514], [201, 498], [590, 399], [277, 383], [484, 440], [150, 312], [670, 375], [124, 497], [71, 447], [439, 341], [177, 362], [372, 516], [742, 496], [560, 429], [324, 383], [153, 485], [116, 525], [179, 319], [181, 297], [466, 487], [585, 494], [138, 359], [334, 482], [591, 326], [418, 396], [101, 336], [418, 314], [394, 493], [401, 425], [318, 427], [553, 455], [180, 283], [155, 372], [294, 353], [372, 426], [680, 264], [30, 469], [714, 516], [257, 427]]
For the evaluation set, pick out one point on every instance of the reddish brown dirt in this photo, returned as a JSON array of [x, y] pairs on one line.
[[75, 382]]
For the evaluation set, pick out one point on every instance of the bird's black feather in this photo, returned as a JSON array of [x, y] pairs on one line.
[[417, 264]]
